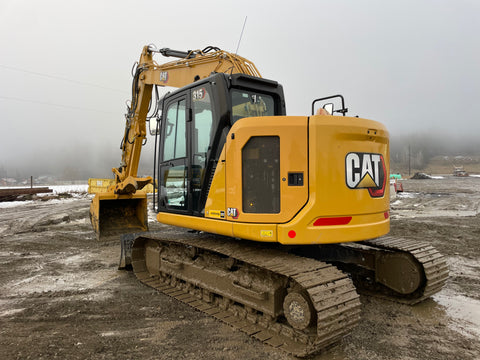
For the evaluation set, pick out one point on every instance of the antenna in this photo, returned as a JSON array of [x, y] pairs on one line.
[[241, 34]]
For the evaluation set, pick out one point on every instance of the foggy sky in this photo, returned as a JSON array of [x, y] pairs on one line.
[[65, 66]]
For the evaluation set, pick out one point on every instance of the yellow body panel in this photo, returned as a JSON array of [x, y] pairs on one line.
[[292, 132], [331, 139], [257, 232], [216, 197], [320, 147], [213, 226], [99, 185]]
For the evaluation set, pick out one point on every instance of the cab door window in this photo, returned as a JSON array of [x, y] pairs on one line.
[[203, 119], [175, 144], [173, 168]]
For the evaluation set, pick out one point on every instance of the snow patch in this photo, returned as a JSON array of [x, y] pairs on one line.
[[11, 204], [76, 191], [408, 195], [70, 189]]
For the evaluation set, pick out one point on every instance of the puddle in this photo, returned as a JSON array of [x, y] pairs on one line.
[[463, 311], [458, 312]]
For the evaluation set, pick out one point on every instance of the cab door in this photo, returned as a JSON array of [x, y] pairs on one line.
[[187, 131], [174, 160]]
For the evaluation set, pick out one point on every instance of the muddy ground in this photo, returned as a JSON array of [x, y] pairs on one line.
[[62, 297]]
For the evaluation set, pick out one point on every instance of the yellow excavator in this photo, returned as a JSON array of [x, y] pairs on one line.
[[277, 220]]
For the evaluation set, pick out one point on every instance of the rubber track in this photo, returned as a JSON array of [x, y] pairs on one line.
[[332, 293], [434, 264]]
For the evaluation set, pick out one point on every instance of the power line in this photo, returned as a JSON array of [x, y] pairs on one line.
[[60, 78], [56, 105]]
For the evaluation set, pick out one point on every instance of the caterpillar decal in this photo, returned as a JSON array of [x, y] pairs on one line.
[[366, 171]]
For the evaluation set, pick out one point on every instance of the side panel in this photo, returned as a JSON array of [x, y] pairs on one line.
[[251, 164]]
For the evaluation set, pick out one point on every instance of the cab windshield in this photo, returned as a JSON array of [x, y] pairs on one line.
[[250, 103]]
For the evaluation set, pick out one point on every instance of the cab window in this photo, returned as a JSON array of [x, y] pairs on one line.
[[175, 144], [249, 103]]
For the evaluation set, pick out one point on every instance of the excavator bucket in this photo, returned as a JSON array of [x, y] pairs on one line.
[[113, 215]]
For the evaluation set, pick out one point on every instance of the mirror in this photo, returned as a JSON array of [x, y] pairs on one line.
[[154, 125], [328, 108]]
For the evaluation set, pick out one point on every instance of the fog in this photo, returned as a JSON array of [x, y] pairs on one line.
[[65, 68]]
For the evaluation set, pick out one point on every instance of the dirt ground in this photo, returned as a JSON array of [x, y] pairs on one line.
[[62, 297]]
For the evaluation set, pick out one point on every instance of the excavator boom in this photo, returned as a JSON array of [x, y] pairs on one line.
[[123, 208]]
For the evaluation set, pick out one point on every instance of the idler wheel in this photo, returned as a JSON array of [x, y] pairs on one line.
[[298, 310]]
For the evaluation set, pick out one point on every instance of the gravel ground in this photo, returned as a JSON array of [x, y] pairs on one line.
[[61, 295]]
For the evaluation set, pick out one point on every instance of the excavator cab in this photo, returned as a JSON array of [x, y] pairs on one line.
[[193, 130]]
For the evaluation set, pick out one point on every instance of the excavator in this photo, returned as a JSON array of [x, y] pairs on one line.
[[273, 224]]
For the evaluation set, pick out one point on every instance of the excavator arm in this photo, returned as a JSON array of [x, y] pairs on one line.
[[123, 208]]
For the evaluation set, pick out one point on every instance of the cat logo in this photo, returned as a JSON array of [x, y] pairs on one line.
[[366, 171], [232, 212], [164, 76]]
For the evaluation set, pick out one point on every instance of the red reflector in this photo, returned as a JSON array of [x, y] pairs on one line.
[[386, 214], [332, 221], [292, 234]]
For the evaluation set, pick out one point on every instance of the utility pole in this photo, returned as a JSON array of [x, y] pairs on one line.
[[409, 174]]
